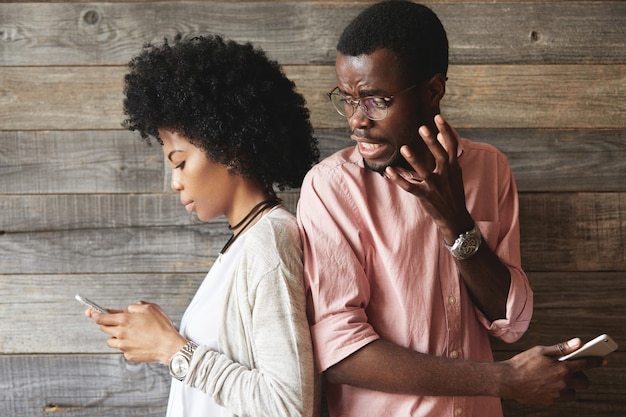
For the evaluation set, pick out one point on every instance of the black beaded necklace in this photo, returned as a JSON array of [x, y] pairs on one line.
[[249, 218]]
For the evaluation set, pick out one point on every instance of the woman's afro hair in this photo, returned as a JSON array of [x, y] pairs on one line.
[[229, 100]]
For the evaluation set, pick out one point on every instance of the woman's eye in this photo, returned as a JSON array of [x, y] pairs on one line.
[[180, 166]]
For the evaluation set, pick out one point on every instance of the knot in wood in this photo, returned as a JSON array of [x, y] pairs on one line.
[[91, 17], [534, 36]]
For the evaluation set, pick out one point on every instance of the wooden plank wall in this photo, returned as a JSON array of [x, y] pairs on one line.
[[86, 206]]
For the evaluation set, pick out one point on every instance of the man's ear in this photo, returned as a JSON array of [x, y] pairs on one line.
[[436, 88]]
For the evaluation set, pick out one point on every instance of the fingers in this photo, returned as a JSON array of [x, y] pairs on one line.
[[110, 319], [448, 138], [563, 348]]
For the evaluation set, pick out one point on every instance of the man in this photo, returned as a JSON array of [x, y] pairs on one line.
[[411, 237]]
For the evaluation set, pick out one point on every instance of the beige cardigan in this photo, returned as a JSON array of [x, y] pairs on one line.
[[266, 368]]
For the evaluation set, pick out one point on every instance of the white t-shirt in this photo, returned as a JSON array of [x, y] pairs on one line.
[[200, 323]]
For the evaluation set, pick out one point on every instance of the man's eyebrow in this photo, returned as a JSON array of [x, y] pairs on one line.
[[169, 156], [366, 93]]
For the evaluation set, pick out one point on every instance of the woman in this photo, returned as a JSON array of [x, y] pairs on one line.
[[232, 128]]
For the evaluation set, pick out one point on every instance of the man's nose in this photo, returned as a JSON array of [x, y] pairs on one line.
[[359, 119]]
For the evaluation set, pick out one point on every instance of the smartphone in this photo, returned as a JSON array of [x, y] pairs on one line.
[[600, 346], [91, 304]]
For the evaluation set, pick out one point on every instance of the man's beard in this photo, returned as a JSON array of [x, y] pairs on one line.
[[396, 161]]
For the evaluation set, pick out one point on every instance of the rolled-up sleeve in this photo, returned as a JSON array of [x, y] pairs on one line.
[[504, 240], [337, 287]]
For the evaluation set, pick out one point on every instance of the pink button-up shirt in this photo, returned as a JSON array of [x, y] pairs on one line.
[[376, 267]]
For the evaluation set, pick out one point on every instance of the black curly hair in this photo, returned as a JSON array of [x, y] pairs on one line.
[[412, 31], [229, 100]]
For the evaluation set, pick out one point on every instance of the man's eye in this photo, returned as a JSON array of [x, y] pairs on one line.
[[347, 100], [376, 102]]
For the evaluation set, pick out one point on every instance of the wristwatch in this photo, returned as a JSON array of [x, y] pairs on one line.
[[179, 363], [466, 245]]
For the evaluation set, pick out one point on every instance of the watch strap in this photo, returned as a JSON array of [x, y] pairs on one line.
[[189, 348]]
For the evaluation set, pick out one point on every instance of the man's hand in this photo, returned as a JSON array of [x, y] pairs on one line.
[[143, 332], [536, 377], [439, 190]]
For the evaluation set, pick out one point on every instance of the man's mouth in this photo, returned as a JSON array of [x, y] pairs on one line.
[[369, 150]]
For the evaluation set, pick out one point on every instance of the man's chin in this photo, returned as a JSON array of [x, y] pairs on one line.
[[380, 167], [376, 167]]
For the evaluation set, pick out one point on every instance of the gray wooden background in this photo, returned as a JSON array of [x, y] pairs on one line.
[[86, 206]]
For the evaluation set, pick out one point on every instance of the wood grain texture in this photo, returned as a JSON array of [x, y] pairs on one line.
[[547, 160], [559, 232], [573, 231], [117, 162], [574, 304], [79, 385], [45, 213], [46, 162], [478, 96], [27, 299], [306, 32], [577, 304], [86, 207]]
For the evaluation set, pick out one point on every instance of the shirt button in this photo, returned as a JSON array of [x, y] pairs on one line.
[[458, 411], [452, 300], [454, 354]]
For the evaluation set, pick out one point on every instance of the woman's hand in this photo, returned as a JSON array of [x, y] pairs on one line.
[[143, 332]]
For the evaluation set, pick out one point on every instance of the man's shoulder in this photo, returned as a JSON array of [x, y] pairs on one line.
[[343, 156], [342, 160], [475, 152], [472, 145]]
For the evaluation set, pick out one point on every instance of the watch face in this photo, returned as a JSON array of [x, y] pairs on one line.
[[469, 245], [179, 365]]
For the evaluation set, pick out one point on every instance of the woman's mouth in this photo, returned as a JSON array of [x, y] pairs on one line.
[[188, 206]]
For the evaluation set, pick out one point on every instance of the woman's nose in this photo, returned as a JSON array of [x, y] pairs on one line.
[[177, 185]]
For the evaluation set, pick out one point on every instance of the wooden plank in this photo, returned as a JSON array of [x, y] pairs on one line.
[[489, 96], [82, 386], [117, 161], [307, 31], [106, 385], [44, 213], [570, 160], [576, 304], [61, 98], [573, 304], [78, 162], [573, 231], [588, 403], [112, 161], [119, 250], [26, 299], [559, 232], [541, 159]]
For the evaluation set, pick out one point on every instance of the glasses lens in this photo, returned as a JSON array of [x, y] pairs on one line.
[[375, 107], [341, 104]]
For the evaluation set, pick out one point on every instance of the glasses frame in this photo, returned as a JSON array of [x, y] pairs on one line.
[[354, 103]]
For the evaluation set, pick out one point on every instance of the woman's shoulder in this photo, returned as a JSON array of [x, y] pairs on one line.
[[277, 231]]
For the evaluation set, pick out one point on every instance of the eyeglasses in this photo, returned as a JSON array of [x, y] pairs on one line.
[[374, 107]]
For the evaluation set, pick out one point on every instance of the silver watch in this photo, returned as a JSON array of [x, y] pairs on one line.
[[466, 245], [179, 363]]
